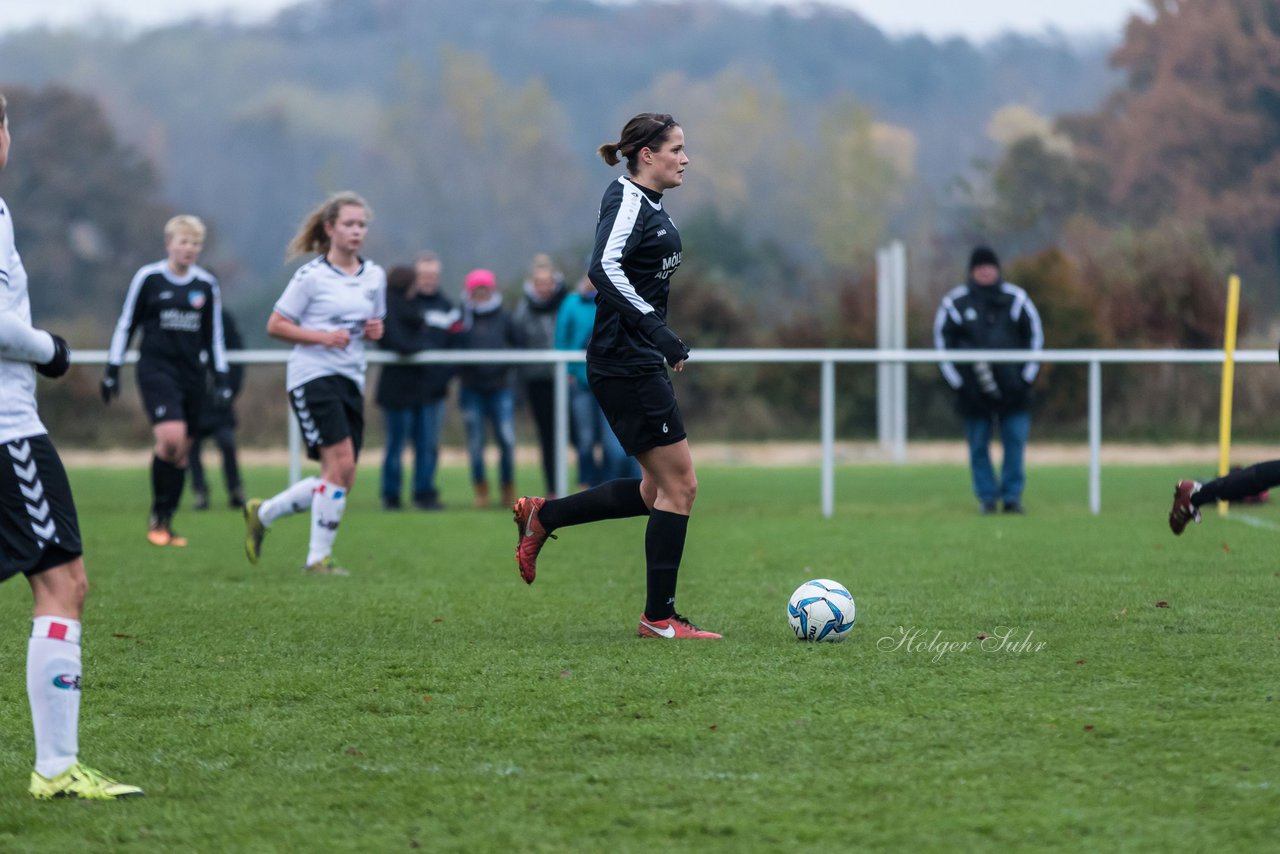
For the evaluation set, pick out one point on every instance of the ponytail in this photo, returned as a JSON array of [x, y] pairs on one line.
[[647, 130], [311, 236]]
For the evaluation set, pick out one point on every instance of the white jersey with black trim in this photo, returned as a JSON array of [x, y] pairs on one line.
[[324, 298], [18, 415]]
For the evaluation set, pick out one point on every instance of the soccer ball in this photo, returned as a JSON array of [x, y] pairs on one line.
[[821, 610]]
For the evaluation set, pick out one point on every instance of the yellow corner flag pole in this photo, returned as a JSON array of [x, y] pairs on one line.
[[1228, 381]]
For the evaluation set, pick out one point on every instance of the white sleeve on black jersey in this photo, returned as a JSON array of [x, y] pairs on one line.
[[124, 326], [218, 346], [612, 233]]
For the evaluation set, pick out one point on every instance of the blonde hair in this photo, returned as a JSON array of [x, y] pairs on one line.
[[185, 224], [311, 236]]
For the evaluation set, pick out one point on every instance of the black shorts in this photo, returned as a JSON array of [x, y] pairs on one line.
[[329, 409], [38, 524], [642, 410], [165, 397]]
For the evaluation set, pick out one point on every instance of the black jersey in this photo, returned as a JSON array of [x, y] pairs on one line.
[[180, 318], [637, 249]]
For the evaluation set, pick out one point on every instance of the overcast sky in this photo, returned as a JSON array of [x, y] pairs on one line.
[[975, 19]]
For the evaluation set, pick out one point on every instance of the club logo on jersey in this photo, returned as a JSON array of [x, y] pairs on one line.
[[196, 298], [661, 232], [970, 314], [66, 682]]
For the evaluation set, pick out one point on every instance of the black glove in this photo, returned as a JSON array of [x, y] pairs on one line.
[[61, 361], [666, 340], [222, 393], [110, 385]]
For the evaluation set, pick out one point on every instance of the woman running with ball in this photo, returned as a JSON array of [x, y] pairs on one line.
[[637, 249]]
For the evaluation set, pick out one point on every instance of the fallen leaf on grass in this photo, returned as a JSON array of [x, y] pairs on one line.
[[1226, 548], [714, 727], [1079, 661], [1088, 727], [426, 698], [351, 751], [566, 674], [983, 636], [438, 620], [127, 637], [1162, 604]]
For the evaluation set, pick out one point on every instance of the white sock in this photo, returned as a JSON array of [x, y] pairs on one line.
[[295, 499], [53, 686], [326, 513]]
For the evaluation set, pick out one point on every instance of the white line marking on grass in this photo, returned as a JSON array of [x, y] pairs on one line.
[[1254, 521]]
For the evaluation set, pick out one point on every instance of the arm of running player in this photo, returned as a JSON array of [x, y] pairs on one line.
[[281, 327], [216, 343], [614, 238], [121, 336], [375, 326], [20, 342]]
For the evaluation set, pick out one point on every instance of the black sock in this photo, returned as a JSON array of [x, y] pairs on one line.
[[614, 499], [167, 481], [663, 548], [160, 507], [177, 480], [1239, 484]]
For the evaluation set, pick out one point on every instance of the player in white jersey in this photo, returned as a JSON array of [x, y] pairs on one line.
[[40, 534], [330, 306]]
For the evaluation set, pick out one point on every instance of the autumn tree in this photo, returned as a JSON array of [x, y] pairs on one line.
[[87, 209]]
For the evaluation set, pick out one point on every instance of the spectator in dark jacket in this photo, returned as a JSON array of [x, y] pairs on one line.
[[486, 393], [412, 397], [219, 422], [988, 313], [535, 322]]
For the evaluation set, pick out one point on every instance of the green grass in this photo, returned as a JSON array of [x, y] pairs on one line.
[[434, 701]]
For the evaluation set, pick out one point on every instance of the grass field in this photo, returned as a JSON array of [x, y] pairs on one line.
[[433, 701]]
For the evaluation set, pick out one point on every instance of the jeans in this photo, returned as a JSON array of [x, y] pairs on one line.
[[591, 429], [420, 425], [498, 408], [1015, 427]]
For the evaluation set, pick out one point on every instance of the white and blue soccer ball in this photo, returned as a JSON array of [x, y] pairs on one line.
[[821, 610]]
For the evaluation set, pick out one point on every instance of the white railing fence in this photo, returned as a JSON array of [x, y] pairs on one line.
[[827, 360]]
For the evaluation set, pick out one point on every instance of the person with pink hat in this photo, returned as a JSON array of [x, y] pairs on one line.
[[486, 388]]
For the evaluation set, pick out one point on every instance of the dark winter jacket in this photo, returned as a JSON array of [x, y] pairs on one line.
[[535, 322], [994, 317], [414, 324], [487, 327]]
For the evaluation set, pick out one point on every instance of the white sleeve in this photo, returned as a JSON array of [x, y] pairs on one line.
[[20, 342], [297, 294], [220, 365], [124, 326]]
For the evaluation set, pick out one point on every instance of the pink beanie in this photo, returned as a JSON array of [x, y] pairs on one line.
[[480, 279]]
